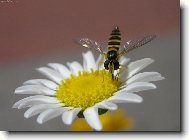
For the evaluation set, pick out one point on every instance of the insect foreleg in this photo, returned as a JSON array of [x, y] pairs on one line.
[[112, 71]]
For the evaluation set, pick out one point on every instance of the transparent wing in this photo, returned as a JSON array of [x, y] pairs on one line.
[[91, 44], [133, 44]]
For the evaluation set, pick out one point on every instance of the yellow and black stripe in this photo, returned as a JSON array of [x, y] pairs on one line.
[[114, 39]]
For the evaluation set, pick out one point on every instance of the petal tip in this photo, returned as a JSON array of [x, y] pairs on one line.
[[40, 69], [14, 106], [98, 128], [49, 64], [67, 123], [150, 59], [162, 78], [154, 86], [140, 99], [26, 115], [39, 121], [19, 107], [68, 64], [17, 90]]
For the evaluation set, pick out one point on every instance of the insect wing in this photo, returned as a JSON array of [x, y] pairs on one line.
[[87, 43], [133, 44]]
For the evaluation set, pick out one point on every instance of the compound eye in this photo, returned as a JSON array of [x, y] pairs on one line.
[[106, 63]]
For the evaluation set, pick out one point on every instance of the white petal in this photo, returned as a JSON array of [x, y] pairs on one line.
[[75, 67], [42, 82], [123, 71], [69, 115], [107, 105], [89, 61], [36, 109], [124, 61], [63, 70], [50, 114], [51, 74], [34, 89], [145, 77], [138, 86], [137, 66], [123, 97], [25, 99], [100, 62], [92, 118], [36, 101]]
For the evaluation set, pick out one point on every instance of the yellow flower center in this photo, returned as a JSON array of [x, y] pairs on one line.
[[87, 89]]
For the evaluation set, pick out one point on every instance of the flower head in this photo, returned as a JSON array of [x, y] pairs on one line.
[[84, 91]]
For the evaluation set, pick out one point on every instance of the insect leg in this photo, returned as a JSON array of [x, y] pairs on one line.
[[117, 75], [112, 71], [103, 75]]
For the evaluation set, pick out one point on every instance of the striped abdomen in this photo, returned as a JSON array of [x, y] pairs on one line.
[[114, 39]]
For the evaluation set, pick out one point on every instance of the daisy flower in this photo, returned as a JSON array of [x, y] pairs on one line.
[[84, 91]]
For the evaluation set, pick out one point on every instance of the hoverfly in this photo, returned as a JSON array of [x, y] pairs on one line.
[[112, 56]]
